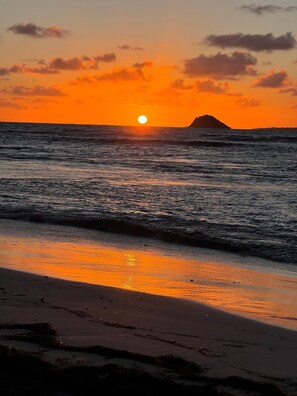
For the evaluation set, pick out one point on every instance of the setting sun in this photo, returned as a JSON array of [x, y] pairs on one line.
[[142, 119]]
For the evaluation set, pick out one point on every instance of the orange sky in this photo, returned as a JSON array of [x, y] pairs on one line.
[[101, 62]]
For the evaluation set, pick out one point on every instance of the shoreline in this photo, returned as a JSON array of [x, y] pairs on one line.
[[240, 285], [84, 316]]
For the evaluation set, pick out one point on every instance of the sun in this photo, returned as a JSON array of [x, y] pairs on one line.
[[142, 119]]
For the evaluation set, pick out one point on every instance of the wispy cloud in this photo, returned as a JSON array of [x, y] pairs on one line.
[[56, 65], [143, 64], [209, 86], [123, 74], [137, 72], [127, 47], [221, 66], [34, 31], [273, 80], [180, 84], [37, 90], [248, 102], [292, 91], [10, 104], [254, 42], [266, 9]]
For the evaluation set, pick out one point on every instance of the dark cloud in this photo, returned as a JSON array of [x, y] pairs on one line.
[[220, 66], [273, 80], [66, 64], [37, 90], [180, 84], [5, 71], [127, 47], [107, 58], [58, 64], [78, 63], [248, 102], [266, 9], [253, 42], [34, 31], [210, 86]]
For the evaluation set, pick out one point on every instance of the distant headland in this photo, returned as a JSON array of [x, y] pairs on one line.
[[208, 121]]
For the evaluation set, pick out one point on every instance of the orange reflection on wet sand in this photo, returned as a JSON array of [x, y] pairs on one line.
[[267, 296]]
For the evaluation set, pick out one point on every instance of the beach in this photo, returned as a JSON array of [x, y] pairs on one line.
[[148, 211], [153, 263], [95, 324], [78, 325]]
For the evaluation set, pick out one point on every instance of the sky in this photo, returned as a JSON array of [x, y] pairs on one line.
[[108, 61]]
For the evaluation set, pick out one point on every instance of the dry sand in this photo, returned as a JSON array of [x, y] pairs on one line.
[[85, 315]]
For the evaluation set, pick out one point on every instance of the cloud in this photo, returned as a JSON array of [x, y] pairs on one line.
[[83, 79], [40, 70], [4, 71], [107, 58], [134, 73], [180, 84], [56, 65], [34, 31], [143, 64], [123, 74], [210, 86], [248, 102], [10, 104], [37, 90], [292, 91], [221, 66], [253, 42], [266, 9], [273, 80], [75, 63], [127, 47]]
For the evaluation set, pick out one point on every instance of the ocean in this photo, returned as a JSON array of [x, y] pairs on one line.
[[230, 190]]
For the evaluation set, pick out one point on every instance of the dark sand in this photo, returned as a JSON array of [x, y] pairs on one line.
[[89, 339]]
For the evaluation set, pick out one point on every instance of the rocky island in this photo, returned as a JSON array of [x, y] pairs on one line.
[[208, 121]]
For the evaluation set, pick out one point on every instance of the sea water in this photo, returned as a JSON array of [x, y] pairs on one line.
[[230, 190]]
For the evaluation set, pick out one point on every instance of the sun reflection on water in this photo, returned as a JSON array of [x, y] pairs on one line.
[[263, 295]]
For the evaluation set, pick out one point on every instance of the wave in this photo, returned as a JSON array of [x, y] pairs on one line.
[[134, 228]]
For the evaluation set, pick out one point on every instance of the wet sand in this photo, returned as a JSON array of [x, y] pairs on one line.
[[246, 286]]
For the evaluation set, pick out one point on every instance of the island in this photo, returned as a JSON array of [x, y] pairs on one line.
[[208, 121]]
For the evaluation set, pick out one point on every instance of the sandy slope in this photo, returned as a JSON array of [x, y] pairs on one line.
[[88, 315]]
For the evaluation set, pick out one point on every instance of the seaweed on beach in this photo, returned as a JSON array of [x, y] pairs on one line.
[[24, 373], [38, 333], [21, 373], [44, 334]]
